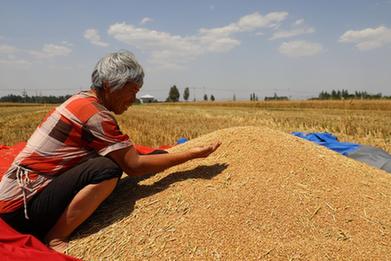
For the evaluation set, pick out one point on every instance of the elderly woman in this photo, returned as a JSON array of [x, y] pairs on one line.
[[74, 159]]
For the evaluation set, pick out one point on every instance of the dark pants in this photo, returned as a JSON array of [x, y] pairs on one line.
[[45, 208]]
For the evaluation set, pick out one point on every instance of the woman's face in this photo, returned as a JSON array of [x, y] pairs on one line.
[[120, 100]]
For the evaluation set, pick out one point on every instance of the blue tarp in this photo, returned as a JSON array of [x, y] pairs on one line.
[[373, 156], [329, 141]]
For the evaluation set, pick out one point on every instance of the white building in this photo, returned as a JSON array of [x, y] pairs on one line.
[[147, 98]]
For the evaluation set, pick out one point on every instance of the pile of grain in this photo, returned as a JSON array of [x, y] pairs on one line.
[[263, 194]]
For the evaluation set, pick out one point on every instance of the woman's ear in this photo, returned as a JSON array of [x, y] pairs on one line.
[[105, 84]]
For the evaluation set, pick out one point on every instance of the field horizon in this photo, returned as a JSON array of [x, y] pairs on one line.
[[154, 124]]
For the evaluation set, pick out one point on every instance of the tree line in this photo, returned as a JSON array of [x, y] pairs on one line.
[[174, 95], [344, 94], [34, 99]]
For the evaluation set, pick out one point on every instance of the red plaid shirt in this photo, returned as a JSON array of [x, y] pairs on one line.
[[77, 130]]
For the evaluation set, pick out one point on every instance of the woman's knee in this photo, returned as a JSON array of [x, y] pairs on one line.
[[104, 168], [107, 186]]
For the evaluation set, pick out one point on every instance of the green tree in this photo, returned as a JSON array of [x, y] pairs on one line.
[[173, 95], [333, 94], [212, 98], [186, 93], [339, 95], [205, 97], [24, 94], [253, 97], [324, 95]]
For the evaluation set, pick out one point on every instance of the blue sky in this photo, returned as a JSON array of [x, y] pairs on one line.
[[224, 48]]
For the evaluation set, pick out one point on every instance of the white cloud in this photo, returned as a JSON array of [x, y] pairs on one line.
[[165, 48], [7, 49], [56, 50], [300, 48], [11, 55], [14, 62], [67, 43], [150, 39], [8, 55], [248, 23], [299, 22], [369, 38], [297, 28], [51, 50], [146, 20], [93, 36], [255, 20]]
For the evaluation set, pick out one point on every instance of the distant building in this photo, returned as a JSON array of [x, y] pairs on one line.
[[276, 98], [147, 98]]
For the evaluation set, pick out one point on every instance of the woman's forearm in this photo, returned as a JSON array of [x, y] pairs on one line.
[[158, 162]]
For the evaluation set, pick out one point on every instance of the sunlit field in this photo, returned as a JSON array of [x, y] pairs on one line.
[[364, 122]]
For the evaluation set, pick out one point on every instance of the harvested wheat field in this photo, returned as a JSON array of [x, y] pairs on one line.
[[263, 194]]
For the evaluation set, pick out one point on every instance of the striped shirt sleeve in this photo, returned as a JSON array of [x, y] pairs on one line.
[[101, 132]]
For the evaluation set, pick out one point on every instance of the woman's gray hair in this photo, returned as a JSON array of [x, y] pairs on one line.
[[117, 68]]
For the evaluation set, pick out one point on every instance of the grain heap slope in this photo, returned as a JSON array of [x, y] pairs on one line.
[[263, 194]]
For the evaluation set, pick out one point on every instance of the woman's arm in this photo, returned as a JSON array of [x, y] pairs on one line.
[[134, 164]]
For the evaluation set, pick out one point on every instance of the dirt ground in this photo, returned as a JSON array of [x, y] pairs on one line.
[[262, 195]]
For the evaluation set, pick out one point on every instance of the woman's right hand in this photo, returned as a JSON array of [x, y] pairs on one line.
[[204, 151]]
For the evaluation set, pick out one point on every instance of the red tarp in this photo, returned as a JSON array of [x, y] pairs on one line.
[[7, 155], [15, 246]]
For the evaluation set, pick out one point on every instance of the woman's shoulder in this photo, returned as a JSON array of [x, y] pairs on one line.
[[82, 106]]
